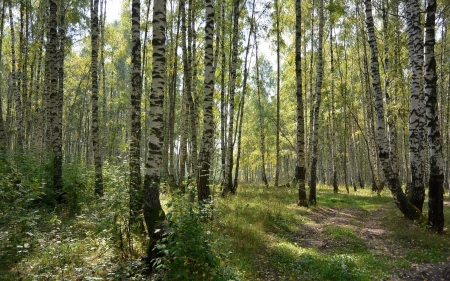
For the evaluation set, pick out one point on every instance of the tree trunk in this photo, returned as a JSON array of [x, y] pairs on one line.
[[15, 82], [3, 138], [230, 145], [56, 100], [400, 199], [242, 104], [153, 212], [300, 162], [277, 154], [208, 119], [315, 120], [136, 94], [416, 189], [262, 146], [333, 118], [94, 88], [436, 182]]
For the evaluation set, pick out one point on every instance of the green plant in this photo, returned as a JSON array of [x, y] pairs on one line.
[[188, 250]]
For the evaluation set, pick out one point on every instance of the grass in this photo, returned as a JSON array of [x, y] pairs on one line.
[[263, 235], [266, 233]]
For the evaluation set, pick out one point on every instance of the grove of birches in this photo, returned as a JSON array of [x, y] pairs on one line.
[[200, 98]]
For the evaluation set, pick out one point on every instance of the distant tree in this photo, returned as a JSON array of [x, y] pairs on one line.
[[262, 135]]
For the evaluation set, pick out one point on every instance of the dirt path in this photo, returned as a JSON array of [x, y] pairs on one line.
[[368, 226]]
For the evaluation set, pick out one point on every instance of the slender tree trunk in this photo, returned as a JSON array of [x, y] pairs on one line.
[[223, 115], [436, 181], [55, 101], [153, 212], [15, 82], [3, 138], [315, 120], [262, 146], [277, 154], [416, 189], [186, 95], [230, 145], [242, 104], [408, 209], [94, 88], [333, 118], [208, 119], [300, 168], [136, 94]]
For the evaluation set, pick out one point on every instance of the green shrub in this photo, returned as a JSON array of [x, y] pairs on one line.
[[187, 248]]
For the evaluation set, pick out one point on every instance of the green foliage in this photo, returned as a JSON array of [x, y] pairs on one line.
[[189, 250]]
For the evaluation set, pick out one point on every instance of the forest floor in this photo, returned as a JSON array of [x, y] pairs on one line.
[[356, 236], [263, 236]]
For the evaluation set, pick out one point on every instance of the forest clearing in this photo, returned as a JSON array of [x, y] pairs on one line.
[[258, 234]]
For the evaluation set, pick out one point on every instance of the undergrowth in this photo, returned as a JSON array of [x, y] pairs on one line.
[[258, 234]]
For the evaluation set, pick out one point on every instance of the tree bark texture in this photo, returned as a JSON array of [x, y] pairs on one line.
[[94, 92], [136, 94], [400, 199], [436, 181], [317, 101], [230, 144], [208, 117], [153, 212], [300, 162], [416, 189]]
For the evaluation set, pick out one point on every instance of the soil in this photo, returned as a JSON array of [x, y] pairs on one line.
[[367, 225]]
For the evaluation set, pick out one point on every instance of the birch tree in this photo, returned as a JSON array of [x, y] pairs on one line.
[[317, 101], [400, 199], [136, 94], [208, 117], [228, 184], [94, 95], [416, 189], [153, 212], [436, 181], [300, 169]]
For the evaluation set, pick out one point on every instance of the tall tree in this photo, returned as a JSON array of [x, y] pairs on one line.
[[94, 92], [317, 101], [400, 199], [15, 88], [277, 142], [416, 189], [56, 99], [242, 103], [136, 94], [153, 212], [262, 135], [3, 138], [300, 169], [436, 181], [232, 88], [208, 117]]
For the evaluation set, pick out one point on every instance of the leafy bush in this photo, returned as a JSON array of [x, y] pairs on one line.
[[188, 249]]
